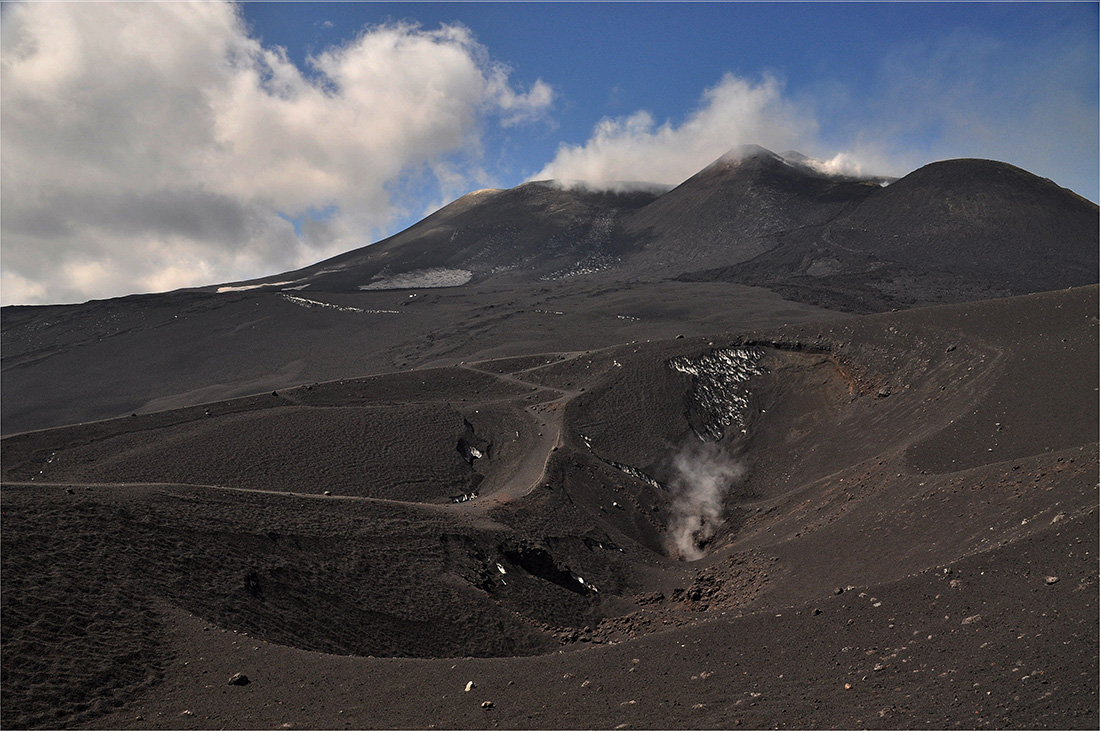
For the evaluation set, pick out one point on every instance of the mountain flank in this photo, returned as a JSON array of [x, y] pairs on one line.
[[545, 266], [910, 540], [951, 231], [772, 448]]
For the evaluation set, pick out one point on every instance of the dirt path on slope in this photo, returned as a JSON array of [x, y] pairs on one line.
[[505, 483], [520, 478]]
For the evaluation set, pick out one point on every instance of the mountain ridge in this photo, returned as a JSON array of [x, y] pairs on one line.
[[542, 267], [951, 231]]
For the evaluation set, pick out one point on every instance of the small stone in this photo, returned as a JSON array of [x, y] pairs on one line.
[[883, 392], [838, 590], [328, 492], [187, 713], [239, 679], [486, 704], [1052, 579], [816, 611], [972, 619], [470, 686]]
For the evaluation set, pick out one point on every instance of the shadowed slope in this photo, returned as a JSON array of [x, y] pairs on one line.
[[730, 211], [537, 228], [951, 231]]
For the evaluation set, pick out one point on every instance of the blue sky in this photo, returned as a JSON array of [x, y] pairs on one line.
[[611, 59], [155, 145]]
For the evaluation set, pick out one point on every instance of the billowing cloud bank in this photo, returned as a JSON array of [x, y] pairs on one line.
[[148, 146], [733, 112], [963, 95]]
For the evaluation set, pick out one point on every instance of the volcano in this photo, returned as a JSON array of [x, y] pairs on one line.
[[768, 448]]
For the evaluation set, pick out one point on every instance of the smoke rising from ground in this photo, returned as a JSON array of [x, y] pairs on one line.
[[704, 474]]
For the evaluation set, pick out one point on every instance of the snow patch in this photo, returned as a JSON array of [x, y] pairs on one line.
[[303, 302], [422, 279], [718, 386], [246, 287]]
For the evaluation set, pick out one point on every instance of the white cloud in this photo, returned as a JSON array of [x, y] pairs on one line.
[[961, 95], [734, 112], [153, 145]]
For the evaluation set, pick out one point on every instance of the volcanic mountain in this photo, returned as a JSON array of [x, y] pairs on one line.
[[963, 228], [564, 458], [544, 266]]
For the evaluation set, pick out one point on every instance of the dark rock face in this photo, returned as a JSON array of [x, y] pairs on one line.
[[539, 563], [732, 210]]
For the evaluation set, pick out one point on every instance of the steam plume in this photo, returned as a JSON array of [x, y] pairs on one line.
[[704, 473]]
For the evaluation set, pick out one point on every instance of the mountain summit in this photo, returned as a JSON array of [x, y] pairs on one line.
[[950, 231]]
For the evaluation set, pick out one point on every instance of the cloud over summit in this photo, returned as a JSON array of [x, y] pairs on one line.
[[154, 145], [735, 111]]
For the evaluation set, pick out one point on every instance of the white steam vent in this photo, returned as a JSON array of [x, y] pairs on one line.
[[704, 474]]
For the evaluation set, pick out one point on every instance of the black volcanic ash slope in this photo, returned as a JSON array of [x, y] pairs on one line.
[[538, 227], [951, 231], [541, 267], [732, 210], [913, 480], [957, 230]]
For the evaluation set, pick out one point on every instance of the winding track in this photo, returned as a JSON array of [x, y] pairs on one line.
[[518, 480], [503, 485]]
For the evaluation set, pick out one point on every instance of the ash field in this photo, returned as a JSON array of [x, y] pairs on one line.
[[769, 449]]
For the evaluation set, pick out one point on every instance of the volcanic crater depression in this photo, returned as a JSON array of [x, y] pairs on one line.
[[492, 432]]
